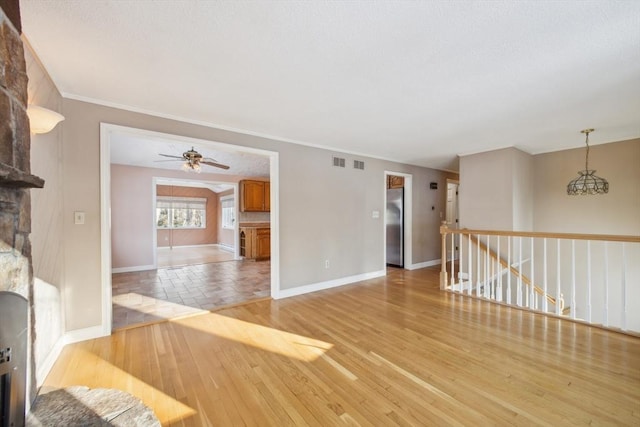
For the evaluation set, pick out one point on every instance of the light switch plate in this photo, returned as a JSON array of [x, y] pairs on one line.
[[78, 218]]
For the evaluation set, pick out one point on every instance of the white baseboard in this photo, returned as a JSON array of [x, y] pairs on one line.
[[45, 368], [423, 264], [78, 335], [133, 268], [300, 290], [224, 247], [164, 248], [68, 338]]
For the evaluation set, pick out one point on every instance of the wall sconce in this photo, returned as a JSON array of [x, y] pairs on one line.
[[42, 120]]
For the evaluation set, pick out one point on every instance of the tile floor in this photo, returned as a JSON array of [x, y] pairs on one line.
[[191, 255], [149, 296]]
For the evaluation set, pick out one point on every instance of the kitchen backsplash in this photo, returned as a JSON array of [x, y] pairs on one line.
[[254, 216]]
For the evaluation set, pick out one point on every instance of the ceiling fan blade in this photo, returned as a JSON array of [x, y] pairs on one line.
[[169, 155], [215, 165]]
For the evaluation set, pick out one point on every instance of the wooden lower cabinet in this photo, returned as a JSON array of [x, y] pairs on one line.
[[255, 243]]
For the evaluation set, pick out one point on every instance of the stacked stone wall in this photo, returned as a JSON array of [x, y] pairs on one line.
[[15, 175]]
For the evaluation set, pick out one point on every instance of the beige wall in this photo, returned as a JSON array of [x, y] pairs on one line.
[[496, 190], [47, 232], [617, 212], [206, 236], [325, 212], [131, 217]]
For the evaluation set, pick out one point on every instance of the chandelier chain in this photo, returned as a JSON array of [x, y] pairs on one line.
[[586, 160]]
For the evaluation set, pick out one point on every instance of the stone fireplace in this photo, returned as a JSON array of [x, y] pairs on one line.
[[16, 281]]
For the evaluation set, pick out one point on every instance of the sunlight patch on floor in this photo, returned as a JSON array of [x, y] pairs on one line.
[[148, 308], [262, 337], [104, 374]]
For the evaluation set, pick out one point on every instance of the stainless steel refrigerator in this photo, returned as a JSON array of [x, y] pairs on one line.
[[394, 221]]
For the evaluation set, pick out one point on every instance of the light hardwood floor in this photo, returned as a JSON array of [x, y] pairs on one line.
[[388, 351]]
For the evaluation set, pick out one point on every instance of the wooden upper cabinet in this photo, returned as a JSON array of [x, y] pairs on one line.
[[395, 181], [255, 196], [267, 196]]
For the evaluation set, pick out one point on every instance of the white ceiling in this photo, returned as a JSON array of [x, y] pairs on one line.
[[416, 81]]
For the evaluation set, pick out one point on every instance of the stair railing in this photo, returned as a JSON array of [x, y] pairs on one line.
[[591, 278]]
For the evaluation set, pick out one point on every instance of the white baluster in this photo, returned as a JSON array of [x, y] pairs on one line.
[[453, 270], [573, 279], [520, 271], [478, 265], [588, 281], [509, 270], [624, 289], [544, 272], [532, 297], [605, 321], [486, 269], [460, 281], [470, 278], [499, 273], [558, 293]]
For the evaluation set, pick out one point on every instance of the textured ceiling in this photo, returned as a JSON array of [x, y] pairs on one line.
[[132, 149], [416, 82]]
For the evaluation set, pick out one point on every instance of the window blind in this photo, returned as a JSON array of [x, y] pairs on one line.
[[181, 203]]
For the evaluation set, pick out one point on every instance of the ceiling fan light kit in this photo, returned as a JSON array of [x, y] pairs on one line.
[[587, 182], [193, 161], [189, 166]]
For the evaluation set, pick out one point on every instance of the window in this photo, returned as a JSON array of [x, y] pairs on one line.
[[181, 212], [228, 211]]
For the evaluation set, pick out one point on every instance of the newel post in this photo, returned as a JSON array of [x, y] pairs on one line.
[[443, 262]]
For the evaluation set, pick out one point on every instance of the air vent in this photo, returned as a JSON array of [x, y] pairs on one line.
[[358, 164], [338, 162]]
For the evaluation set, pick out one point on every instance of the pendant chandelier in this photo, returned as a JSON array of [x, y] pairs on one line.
[[587, 182]]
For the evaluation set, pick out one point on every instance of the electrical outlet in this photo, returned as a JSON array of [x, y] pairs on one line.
[[78, 218], [326, 263]]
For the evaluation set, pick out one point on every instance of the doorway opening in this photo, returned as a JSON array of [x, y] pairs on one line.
[[452, 213], [397, 219], [176, 288]]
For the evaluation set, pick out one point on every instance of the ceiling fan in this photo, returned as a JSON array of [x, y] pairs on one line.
[[192, 161]]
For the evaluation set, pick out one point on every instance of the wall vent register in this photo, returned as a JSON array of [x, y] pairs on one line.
[[358, 164], [339, 162]]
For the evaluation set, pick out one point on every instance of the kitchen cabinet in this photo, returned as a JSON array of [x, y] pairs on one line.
[[255, 196], [255, 242], [395, 181]]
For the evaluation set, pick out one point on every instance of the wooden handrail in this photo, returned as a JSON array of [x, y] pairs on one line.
[[515, 272], [570, 236]]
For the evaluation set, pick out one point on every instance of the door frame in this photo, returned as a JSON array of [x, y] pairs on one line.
[[106, 131], [407, 229], [456, 216]]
